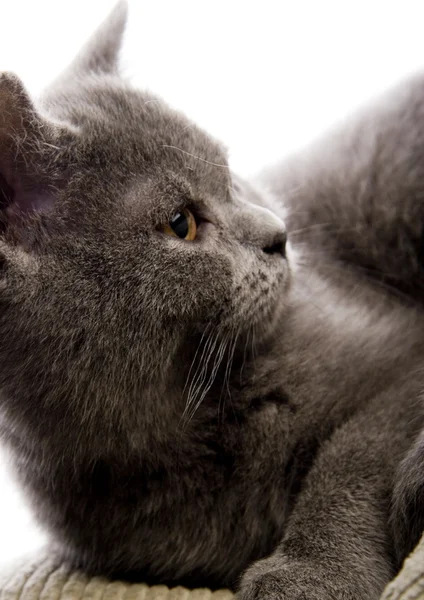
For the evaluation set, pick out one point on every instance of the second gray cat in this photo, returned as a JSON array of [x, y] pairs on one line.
[[186, 398]]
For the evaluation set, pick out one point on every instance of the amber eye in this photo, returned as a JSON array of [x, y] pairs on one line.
[[181, 225]]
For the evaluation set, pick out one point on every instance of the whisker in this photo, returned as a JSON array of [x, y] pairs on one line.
[[221, 402], [310, 296], [218, 359], [245, 353], [308, 228], [324, 227], [197, 157], [310, 251], [225, 383], [198, 374], [195, 356], [374, 277], [253, 345], [230, 363], [201, 372]]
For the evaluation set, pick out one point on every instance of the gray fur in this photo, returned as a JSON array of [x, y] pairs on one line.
[[179, 410], [357, 194]]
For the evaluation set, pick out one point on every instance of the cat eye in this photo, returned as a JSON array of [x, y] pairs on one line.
[[182, 225]]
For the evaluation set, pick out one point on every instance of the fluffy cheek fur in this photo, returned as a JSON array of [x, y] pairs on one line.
[[259, 283], [182, 288], [219, 280], [186, 283]]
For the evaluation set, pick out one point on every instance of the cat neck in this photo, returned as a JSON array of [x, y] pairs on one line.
[[335, 345]]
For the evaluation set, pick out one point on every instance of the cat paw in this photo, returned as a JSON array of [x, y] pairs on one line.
[[291, 581], [279, 585]]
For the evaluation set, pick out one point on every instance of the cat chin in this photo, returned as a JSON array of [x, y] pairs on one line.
[[270, 324], [263, 319]]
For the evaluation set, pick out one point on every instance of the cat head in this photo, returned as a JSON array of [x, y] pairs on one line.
[[124, 239]]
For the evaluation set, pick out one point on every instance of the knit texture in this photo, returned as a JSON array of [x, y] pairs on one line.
[[43, 578], [409, 584]]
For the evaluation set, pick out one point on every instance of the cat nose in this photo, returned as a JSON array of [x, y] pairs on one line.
[[278, 244], [260, 227]]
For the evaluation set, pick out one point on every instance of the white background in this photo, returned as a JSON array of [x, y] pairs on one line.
[[264, 76]]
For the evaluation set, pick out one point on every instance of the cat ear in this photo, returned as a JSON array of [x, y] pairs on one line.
[[101, 53], [17, 113], [25, 140]]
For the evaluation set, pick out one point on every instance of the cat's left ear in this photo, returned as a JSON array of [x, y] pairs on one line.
[[101, 53], [27, 178]]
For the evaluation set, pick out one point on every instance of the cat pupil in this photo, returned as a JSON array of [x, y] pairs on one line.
[[179, 224]]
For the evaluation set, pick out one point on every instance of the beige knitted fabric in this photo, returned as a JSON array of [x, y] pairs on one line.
[[45, 579], [409, 584]]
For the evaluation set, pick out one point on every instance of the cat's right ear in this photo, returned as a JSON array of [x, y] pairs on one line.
[[101, 53]]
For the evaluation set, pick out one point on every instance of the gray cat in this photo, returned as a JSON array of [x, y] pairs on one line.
[[188, 398]]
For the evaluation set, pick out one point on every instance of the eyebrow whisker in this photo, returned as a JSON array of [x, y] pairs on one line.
[[197, 157]]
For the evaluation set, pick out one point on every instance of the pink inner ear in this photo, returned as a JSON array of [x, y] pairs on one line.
[[17, 203], [24, 203]]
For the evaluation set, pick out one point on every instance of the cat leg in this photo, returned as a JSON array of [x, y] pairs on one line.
[[338, 543], [407, 516]]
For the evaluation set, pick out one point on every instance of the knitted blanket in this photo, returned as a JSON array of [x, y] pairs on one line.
[[43, 578]]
